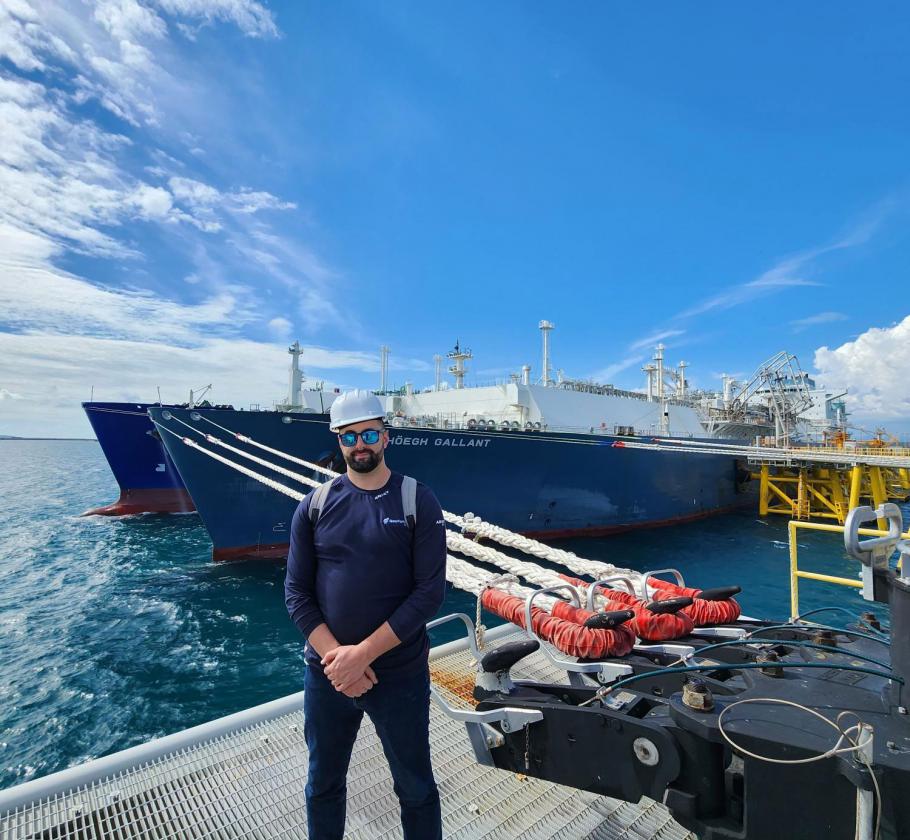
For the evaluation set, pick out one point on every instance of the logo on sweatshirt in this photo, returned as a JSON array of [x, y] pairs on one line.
[[387, 521]]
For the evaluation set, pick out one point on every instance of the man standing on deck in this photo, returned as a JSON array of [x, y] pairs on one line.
[[363, 579]]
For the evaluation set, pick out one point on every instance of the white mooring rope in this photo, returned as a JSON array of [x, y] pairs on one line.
[[468, 523], [459, 573]]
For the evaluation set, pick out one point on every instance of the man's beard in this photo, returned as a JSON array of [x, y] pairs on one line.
[[363, 465]]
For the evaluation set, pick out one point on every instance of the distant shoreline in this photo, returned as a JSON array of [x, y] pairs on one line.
[[10, 437]]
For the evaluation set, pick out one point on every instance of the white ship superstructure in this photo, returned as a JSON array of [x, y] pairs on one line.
[[665, 407], [532, 407], [778, 402]]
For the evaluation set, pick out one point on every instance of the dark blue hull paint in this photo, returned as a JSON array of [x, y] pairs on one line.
[[545, 484], [149, 480]]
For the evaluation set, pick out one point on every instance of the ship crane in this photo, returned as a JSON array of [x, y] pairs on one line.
[[197, 395], [879, 439]]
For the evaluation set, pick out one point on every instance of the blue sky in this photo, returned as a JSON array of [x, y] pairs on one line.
[[187, 185]]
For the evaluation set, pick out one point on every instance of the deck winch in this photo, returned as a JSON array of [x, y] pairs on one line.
[[754, 730]]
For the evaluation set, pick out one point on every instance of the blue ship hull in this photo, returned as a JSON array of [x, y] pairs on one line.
[[149, 480], [544, 484]]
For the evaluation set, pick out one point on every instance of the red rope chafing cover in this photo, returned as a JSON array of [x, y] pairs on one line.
[[704, 613], [566, 634], [651, 627]]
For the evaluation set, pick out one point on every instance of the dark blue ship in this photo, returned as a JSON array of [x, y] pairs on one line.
[[149, 480], [554, 459], [537, 482]]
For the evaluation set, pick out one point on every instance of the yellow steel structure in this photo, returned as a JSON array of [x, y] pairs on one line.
[[796, 573], [815, 491]]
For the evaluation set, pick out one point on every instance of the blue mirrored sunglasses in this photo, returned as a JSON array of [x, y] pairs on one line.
[[368, 436]]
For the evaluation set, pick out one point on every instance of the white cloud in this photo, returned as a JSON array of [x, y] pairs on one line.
[[606, 374], [200, 197], [654, 338], [250, 16], [58, 174], [69, 335], [875, 367], [152, 202], [115, 49], [252, 201], [71, 185], [789, 272], [194, 193], [128, 19], [22, 39], [801, 324], [61, 176], [36, 296], [781, 276], [70, 366], [280, 327]]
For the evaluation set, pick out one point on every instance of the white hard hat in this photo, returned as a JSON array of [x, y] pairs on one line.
[[354, 407]]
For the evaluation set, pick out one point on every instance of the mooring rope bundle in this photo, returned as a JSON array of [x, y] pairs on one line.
[[468, 523], [552, 618]]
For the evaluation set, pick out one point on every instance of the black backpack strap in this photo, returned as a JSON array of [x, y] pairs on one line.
[[317, 500], [409, 500]]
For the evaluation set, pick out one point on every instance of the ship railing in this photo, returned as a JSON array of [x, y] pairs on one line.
[[459, 424], [888, 451], [797, 574]]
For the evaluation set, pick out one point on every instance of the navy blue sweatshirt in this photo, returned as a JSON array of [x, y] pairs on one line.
[[364, 566]]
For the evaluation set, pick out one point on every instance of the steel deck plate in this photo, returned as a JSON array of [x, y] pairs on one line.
[[248, 783]]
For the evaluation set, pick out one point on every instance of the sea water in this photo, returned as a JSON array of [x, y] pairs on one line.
[[116, 631]]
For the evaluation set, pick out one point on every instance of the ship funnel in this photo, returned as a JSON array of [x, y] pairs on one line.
[[525, 374]]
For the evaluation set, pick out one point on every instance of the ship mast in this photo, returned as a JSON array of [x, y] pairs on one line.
[[383, 367], [295, 375], [437, 360], [459, 356], [545, 328]]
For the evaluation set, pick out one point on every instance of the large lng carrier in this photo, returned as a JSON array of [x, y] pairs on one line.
[[551, 458]]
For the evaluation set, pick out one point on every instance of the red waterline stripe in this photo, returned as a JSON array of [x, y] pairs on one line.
[[159, 500], [270, 551]]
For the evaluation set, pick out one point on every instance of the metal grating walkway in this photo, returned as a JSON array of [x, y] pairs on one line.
[[243, 777]]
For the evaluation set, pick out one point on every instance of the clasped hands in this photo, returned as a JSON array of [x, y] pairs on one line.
[[348, 669]]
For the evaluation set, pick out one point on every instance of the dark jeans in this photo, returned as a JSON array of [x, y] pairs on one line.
[[400, 710]]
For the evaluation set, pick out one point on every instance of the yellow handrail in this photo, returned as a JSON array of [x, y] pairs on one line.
[[796, 573]]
